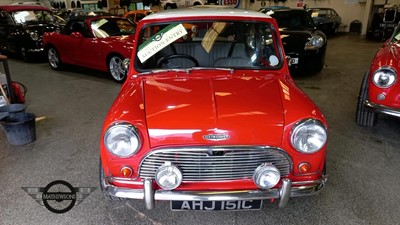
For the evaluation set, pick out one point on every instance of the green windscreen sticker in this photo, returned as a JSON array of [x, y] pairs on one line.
[[160, 40]]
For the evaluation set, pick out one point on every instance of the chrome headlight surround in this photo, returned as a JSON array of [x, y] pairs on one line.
[[34, 36], [384, 77], [308, 136], [122, 140], [315, 42]]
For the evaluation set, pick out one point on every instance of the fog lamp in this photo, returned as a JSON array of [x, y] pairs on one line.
[[168, 176], [266, 176]]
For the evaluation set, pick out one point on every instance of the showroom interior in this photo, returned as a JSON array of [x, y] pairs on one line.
[[71, 106]]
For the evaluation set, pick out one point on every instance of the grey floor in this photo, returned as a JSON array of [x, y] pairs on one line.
[[363, 163]]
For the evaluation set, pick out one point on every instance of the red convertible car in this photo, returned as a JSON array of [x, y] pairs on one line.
[[97, 42], [212, 122], [380, 89]]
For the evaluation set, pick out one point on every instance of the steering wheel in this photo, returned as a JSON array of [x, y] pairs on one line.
[[164, 60]]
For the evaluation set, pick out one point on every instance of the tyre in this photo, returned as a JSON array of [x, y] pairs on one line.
[[54, 58], [102, 176], [23, 54], [335, 29], [364, 117], [116, 68]]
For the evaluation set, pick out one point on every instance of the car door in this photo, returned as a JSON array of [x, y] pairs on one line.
[[90, 49], [69, 41]]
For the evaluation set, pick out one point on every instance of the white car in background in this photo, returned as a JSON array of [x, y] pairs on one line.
[[172, 4]]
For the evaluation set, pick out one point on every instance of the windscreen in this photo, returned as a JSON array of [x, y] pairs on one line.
[[33, 16], [107, 27], [295, 19], [222, 44]]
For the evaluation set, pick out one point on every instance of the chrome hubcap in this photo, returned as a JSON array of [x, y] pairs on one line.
[[117, 69], [53, 58]]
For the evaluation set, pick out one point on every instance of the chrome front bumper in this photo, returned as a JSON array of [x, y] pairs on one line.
[[149, 195], [382, 109]]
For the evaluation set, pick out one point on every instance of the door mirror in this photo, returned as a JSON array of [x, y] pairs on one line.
[[125, 63], [76, 35], [289, 60]]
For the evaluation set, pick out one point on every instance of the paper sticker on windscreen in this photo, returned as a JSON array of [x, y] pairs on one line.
[[160, 40]]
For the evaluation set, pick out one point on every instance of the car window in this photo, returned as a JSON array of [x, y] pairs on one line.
[[396, 34], [107, 27], [139, 17], [5, 19], [222, 44], [33, 16], [297, 19]]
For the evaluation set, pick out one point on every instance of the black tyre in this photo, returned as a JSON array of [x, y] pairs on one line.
[[335, 29], [116, 68], [23, 54], [54, 59], [102, 176], [364, 117]]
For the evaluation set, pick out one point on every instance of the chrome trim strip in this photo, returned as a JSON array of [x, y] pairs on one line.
[[382, 109], [36, 50], [283, 193]]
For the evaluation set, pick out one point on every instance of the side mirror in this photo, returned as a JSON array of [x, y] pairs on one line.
[[125, 63], [76, 35], [289, 60]]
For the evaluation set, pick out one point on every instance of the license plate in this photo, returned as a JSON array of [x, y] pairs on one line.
[[216, 205], [384, 25], [294, 61]]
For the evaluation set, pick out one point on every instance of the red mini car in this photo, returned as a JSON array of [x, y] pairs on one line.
[[97, 42], [379, 92], [212, 122]]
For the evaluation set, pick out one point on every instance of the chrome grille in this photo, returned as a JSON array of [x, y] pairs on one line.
[[216, 163]]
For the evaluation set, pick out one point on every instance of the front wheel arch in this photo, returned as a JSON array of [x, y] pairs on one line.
[[364, 116]]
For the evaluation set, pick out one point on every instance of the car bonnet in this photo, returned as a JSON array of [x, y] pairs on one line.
[[247, 109]]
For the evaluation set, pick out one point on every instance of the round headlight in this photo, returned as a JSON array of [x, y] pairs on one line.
[[34, 36], [168, 176], [266, 176], [308, 136], [384, 77], [122, 140], [315, 42]]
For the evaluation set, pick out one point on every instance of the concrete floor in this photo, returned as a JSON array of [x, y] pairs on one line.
[[363, 163]]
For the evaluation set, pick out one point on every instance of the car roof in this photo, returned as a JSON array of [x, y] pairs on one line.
[[22, 7], [205, 12]]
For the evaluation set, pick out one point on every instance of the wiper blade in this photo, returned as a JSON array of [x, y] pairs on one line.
[[170, 70], [213, 68], [187, 70]]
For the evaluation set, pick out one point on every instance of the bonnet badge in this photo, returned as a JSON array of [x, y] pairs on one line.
[[216, 137]]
